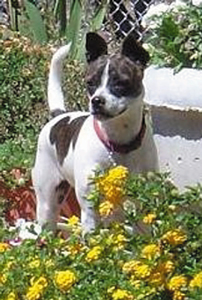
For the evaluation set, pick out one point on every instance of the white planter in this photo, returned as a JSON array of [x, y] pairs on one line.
[[176, 107]]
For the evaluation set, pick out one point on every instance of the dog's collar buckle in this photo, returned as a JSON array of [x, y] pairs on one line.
[[112, 146]]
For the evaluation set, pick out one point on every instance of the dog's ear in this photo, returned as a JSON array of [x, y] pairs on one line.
[[95, 46], [134, 50]]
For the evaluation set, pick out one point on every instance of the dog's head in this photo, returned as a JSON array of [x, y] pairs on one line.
[[114, 82]]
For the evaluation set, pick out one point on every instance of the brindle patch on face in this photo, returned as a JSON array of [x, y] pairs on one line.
[[125, 77], [63, 133], [62, 190], [94, 74]]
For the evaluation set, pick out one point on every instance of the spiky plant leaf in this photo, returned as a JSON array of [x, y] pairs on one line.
[[36, 22], [74, 25]]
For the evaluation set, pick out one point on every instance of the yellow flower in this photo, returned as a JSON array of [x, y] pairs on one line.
[[177, 282], [49, 263], [168, 266], [196, 281], [137, 268], [135, 282], [74, 220], [75, 249], [142, 271], [3, 279], [158, 274], [117, 175], [111, 185], [151, 251], [149, 218], [65, 280], [175, 237], [119, 241], [157, 278], [119, 294], [4, 247], [34, 264], [130, 266], [106, 209], [36, 289], [178, 295], [93, 254], [11, 296]]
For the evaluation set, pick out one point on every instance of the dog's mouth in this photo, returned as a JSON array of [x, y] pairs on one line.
[[101, 114]]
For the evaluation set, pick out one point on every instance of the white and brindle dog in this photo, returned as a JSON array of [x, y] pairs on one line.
[[73, 144]]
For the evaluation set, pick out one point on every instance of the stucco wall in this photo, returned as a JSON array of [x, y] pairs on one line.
[[176, 108]]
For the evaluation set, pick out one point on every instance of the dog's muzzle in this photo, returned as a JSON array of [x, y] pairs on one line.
[[98, 105]]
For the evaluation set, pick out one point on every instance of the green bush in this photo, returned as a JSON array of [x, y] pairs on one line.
[[24, 110], [175, 37]]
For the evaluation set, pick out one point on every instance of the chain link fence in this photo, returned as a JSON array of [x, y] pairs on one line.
[[123, 17], [126, 16]]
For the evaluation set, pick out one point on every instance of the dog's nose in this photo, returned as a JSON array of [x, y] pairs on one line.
[[98, 101]]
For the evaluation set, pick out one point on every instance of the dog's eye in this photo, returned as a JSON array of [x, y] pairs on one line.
[[121, 88], [91, 87]]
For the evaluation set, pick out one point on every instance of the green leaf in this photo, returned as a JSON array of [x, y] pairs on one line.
[[98, 18], [61, 15], [36, 22], [74, 25]]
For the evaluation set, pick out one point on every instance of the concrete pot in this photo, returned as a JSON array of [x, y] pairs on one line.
[[176, 107]]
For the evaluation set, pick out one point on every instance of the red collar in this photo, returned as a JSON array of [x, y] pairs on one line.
[[121, 148]]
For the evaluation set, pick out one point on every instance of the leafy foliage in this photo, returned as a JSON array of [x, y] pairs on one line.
[[175, 37], [23, 78]]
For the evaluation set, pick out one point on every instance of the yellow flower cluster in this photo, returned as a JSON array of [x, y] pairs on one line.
[[11, 296], [178, 295], [196, 281], [93, 254], [75, 249], [34, 263], [4, 247], [175, 237], [151, 251], [74, 220], [117, 241], [155, 275], [136, 268], [149, 218], [159, 273], [106, 209], [35, 291], [177, 282], [64, 280], [111, 187], [2, 279], [119, 294], [74, 224]]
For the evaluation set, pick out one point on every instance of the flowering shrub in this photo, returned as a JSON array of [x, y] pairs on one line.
[[154, 254]]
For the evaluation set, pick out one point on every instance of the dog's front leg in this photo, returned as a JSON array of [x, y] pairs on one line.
[[89, 217]]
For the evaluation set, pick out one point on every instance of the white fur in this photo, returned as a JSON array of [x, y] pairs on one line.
[[89, 151], [55, 94]]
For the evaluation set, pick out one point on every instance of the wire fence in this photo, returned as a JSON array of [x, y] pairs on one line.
[[126, 16], [123, 16]]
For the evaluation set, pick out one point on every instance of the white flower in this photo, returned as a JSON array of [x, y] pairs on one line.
[[28, 229]]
